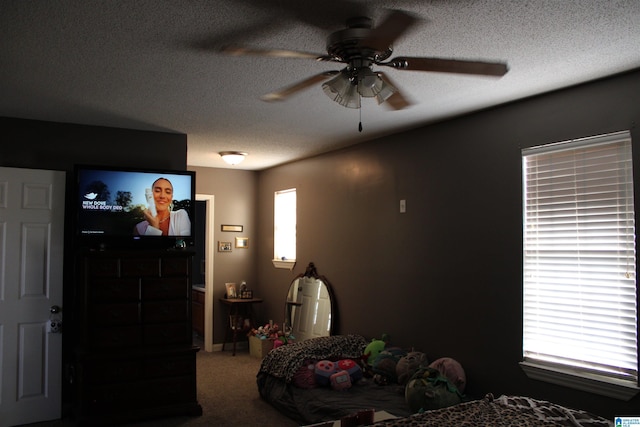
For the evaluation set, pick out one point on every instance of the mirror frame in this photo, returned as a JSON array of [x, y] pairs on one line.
[[311, 272]]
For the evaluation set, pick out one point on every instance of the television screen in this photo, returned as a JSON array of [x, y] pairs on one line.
[[134, 204]]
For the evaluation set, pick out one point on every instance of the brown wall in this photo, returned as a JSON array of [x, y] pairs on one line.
[[58, 146], [235, 202], [445, 277]]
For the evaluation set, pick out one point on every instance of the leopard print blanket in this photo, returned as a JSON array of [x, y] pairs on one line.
[[284, 361], [505, 411]]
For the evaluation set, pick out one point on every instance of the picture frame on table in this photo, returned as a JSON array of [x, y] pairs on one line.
[[231, 290]]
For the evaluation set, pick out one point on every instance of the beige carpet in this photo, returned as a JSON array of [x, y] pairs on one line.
[[227, 392]]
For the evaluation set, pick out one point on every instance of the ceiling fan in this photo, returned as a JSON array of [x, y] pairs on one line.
[[361, 47]]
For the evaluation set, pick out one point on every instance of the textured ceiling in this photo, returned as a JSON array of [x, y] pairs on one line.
[[153, 65]]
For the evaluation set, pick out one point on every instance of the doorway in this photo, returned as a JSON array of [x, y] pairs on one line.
[[31, 262], [203, 261]]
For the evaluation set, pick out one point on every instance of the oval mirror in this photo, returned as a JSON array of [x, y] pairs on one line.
[[309, 310]]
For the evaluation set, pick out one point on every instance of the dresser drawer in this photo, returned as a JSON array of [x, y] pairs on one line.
[[165, 311], [115, 314], [175, 288], [112, 371], [116, 337], [103, 267], [175, 266], [169, 367], [114, 289], [140, 267], [167, 334]]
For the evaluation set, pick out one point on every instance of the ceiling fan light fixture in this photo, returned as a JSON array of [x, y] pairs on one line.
[[342, 90], [369, 83], [232, 157], [384, 90]]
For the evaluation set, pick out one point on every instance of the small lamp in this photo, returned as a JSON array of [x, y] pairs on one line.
[[232, 157]]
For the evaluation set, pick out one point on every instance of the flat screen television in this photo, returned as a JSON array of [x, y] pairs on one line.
[[134, 208]]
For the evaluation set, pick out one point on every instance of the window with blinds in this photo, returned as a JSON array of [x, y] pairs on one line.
[[284, 226], [579, 278]]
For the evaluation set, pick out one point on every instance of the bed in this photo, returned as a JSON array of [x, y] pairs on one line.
[[279, 384]]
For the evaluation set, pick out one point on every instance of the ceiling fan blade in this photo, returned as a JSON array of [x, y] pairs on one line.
[[235, 50], [394, 25], [448, 66], [397, 101], [282, 94]]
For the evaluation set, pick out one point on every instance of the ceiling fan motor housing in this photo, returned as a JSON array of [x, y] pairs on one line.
[[346, 45]]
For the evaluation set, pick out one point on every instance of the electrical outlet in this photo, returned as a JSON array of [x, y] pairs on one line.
[[403, 206]]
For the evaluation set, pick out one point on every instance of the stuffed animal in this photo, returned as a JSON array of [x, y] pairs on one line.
[[452, 370], [351, 367], [428, 390], [340, 380], [323, 370], [409, 364], [384, 366], [374, 348]]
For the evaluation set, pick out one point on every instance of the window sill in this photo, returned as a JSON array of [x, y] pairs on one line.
[[592, 383], [285, 264]]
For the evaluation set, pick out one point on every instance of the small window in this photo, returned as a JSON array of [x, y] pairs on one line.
[[579, 278], [284, 229]]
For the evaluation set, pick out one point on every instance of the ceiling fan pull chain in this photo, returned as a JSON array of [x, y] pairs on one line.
[[360, 124]]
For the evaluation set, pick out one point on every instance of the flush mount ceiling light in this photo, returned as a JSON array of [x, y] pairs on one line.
[[232, 157]]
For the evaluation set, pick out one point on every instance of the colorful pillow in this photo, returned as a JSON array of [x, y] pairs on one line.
[[341, 380], [349, 365], [323, 371], [305, 376]]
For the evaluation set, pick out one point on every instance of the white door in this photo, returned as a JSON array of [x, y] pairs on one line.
[[314, 313], [31, 254]]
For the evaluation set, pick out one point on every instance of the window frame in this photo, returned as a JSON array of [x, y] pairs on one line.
[[565, 374], [278, 232]]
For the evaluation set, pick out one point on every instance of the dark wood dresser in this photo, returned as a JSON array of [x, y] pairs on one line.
[[134, 356]]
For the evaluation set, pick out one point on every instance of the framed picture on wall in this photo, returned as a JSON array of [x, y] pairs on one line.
[[224, 246], [242, 242], [229, 227]]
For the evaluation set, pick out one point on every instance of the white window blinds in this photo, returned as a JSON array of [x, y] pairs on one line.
[[284, 227], [579, 307]]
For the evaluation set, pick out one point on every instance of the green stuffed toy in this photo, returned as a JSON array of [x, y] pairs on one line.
[[374, 348], [428, 389]]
